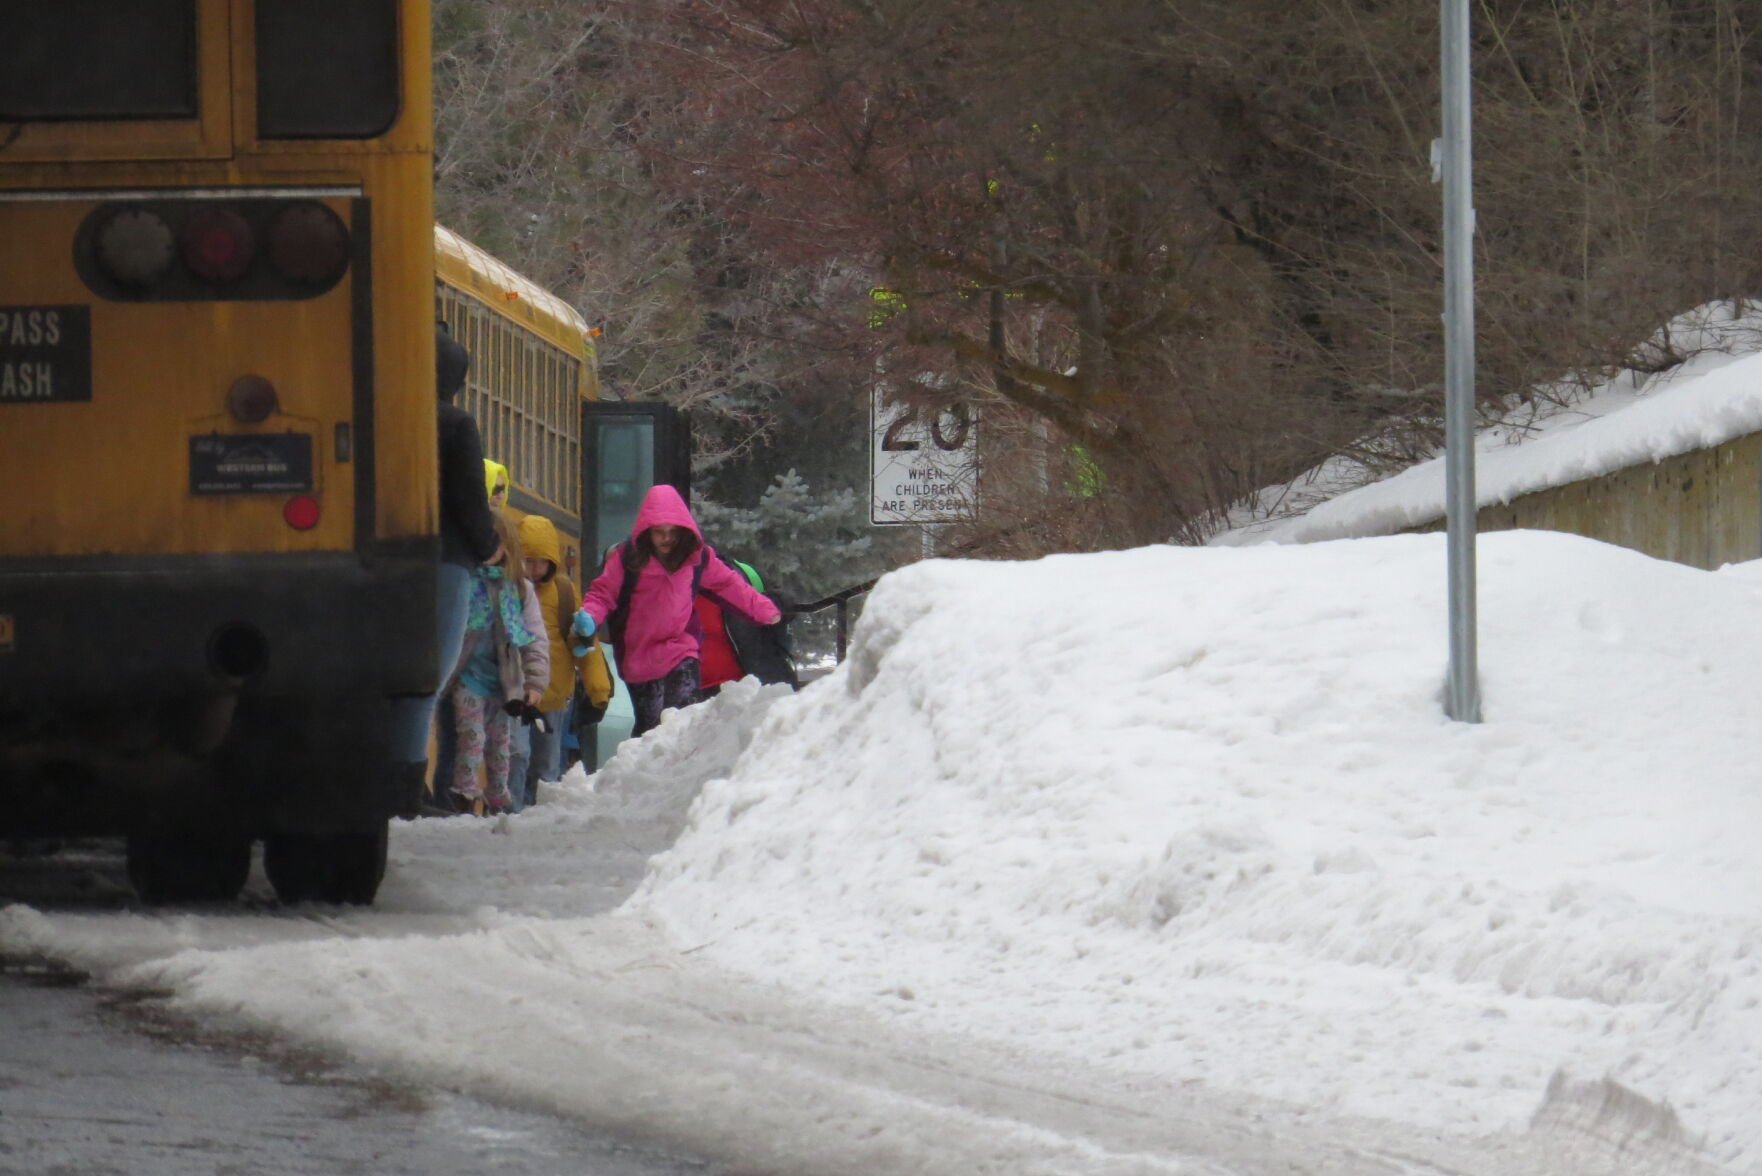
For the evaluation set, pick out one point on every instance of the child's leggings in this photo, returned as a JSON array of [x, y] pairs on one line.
[[483, 737], [649, 699]]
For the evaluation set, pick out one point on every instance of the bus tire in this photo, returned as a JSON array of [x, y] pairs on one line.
[[326, 867], [188, 867]]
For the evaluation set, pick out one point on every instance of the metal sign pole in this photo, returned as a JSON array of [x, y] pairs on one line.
[[1462, 694]]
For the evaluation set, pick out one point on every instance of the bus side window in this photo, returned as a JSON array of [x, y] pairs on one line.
[[549, 435]]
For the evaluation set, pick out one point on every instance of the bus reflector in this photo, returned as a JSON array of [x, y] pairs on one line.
[[135, 247], [301, 513], [309, 245], [218, 245], [251, 399]]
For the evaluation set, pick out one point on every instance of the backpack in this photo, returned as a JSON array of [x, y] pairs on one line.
[[762, 650]]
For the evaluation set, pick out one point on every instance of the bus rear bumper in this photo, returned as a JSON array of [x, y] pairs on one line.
[[87, 629], [178, 693]]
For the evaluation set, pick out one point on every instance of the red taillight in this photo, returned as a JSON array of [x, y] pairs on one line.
[[218, 245], [251, 399], [300, 513], [309, 245], [135, 247]]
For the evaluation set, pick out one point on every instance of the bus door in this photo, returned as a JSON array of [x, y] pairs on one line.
[[626, 449]]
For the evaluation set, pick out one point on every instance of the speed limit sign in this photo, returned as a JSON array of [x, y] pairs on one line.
[[924, 461]]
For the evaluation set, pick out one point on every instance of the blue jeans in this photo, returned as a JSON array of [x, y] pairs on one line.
[[446, 734], [547, 753], [536, 757], [412, 716], [519, 754]]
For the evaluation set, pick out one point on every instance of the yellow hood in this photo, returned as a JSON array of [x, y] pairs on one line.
[[538, 540], [494, 474]]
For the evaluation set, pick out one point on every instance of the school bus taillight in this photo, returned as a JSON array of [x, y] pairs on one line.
[[218, 245], [300, 513], [309, 244], [135, 247]]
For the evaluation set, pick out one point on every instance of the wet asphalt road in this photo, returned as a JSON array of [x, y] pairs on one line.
[[91, 1084]]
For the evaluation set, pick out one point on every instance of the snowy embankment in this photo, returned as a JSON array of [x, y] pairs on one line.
[[1152, 861], [1198, 813]]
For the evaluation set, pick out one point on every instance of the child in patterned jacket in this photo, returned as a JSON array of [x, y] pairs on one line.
[[502, 673]]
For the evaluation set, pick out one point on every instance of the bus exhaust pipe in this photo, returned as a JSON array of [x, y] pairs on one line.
[[237, 652]]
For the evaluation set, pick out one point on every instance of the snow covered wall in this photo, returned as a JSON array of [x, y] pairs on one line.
[[1197, 814], [1634, 422]]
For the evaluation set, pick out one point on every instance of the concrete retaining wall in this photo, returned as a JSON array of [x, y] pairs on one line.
[[1702, 508]]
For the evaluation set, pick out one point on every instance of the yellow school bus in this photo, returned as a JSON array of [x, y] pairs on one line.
[[218, 499], [532, 369]]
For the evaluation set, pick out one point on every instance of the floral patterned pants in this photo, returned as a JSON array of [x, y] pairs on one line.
[[649, 699], [483, 731]]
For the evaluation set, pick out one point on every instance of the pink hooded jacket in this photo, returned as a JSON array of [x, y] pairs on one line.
[[661, 628]]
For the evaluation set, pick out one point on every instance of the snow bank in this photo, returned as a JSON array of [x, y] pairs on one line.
[[1160, 861], [1197, 814]]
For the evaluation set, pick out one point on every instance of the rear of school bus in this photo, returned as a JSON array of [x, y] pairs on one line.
[[217, 431]]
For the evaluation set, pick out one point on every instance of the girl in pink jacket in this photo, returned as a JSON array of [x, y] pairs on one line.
[[643, 599]]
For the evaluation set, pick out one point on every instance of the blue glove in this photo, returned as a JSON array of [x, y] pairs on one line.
[[582, 628]]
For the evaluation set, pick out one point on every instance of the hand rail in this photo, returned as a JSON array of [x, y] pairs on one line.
[[839, 600]]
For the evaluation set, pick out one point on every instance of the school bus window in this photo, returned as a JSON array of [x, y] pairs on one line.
[[535, 354], [541, 472], [536, 427], [559, 472], [535, 439], [523, 448], [559, 406], [97, 59], [543, 478], [534, 462], [498, 375], [547, 452], [528, 456], [553, 389], [553, 399], [523, 372], [479, 360], [326, 69], [553, 439]]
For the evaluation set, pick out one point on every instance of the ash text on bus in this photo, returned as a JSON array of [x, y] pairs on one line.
[[27, 381]]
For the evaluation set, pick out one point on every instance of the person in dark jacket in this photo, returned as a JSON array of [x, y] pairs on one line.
[[467, 532]]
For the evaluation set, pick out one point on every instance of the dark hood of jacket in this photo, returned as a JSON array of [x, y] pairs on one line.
[[451, 362]]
